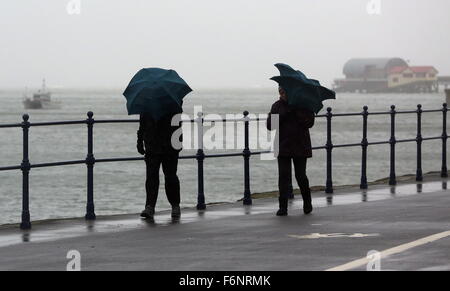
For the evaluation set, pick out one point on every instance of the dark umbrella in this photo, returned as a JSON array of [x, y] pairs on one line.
[[301, 91], [156, 91]]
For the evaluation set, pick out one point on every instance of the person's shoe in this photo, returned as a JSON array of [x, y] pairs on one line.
[[307, 204], [148, 212], [176, 212], [282, 212], [307, 208]]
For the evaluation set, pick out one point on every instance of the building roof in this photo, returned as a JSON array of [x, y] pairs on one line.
[[359, 66], [415, 69], [422, 69]]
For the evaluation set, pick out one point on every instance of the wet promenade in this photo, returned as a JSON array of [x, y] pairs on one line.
[[409, 224]]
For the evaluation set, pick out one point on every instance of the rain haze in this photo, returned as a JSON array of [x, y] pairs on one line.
[[94, 176], [212, 44]]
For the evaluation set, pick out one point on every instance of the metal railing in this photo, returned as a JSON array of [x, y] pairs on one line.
[[200, 156]]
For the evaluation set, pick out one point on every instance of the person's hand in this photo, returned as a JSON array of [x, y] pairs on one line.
[[140, 148]]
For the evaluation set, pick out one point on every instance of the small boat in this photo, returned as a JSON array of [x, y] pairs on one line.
[[41, 100]]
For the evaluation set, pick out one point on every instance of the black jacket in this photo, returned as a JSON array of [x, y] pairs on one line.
[[157, 135], [294, 123]]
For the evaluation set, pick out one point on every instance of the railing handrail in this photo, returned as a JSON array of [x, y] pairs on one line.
[[90, 160], [241, 119]]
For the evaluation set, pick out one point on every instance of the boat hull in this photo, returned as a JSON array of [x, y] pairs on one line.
[[38, 104], [32, 104]]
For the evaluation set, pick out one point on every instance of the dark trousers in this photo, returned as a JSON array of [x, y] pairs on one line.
[[285, 178], [169, 164]]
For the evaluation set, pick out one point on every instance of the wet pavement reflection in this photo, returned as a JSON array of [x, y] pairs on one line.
[[79, 227]]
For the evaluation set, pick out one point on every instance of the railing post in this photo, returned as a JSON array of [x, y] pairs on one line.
[[364, 145], [419, 140], [90, 161], [200, 158], [329, 147], [444, 172], [25, 167], [392, 142], [246, 153]]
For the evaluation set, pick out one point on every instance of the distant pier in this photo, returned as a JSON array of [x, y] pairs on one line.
[[388, 75]]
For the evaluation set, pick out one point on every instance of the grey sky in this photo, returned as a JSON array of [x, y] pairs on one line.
[[211, 43]]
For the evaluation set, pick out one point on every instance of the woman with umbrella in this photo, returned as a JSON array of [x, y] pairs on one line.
[[300, 99], [157, 96]]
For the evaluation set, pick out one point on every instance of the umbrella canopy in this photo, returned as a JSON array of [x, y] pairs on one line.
[[301, 91], [156, 91]]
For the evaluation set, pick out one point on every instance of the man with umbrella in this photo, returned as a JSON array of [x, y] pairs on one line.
[[300, 99], [157, 96]]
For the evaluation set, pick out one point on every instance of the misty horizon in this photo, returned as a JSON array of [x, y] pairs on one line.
[[211, 44]]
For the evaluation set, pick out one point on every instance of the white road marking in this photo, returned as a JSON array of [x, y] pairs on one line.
[[333, 235], [392, 251]]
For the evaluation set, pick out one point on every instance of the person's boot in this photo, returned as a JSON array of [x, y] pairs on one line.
[[176, 212], [307, 203], [148, 212], [283, 211]]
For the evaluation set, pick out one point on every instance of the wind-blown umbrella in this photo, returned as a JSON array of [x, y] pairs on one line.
[[301, 91], [156, 91]]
